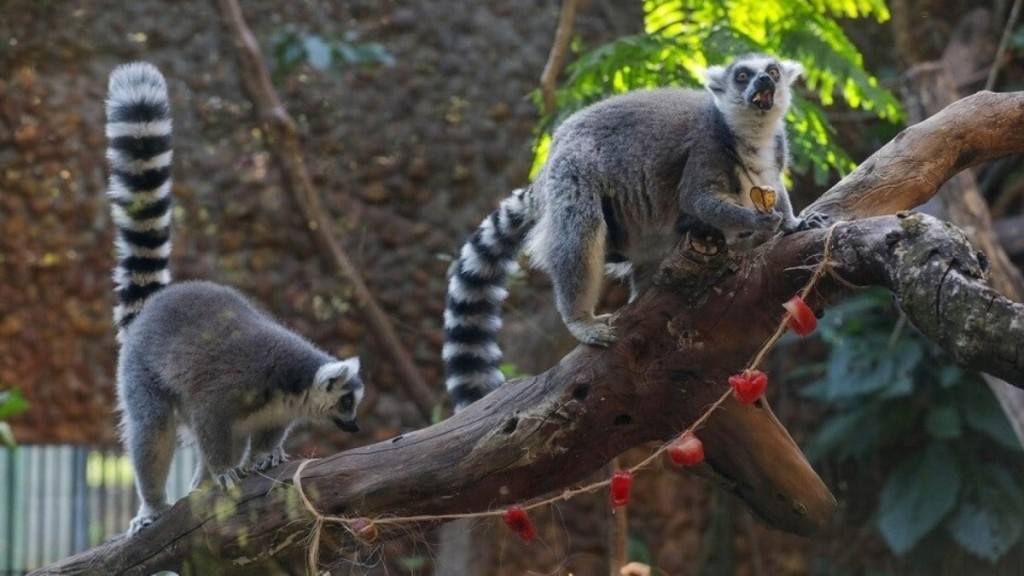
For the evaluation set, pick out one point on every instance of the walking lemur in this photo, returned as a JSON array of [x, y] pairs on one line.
[[196, 354], [624, 178]]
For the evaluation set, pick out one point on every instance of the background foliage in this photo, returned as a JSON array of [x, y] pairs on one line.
[[684, 37], [928, 438]]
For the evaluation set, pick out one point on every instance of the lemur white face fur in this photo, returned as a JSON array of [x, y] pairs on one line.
[[342, 390], [749, 87]]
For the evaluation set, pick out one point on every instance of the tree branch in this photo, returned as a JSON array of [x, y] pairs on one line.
[[537, 435], [284, 141], [908, 171], [705, 317], [928, 88], [556, 57]]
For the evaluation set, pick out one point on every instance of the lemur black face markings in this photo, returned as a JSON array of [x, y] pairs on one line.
[[624, 178], [197, 355]]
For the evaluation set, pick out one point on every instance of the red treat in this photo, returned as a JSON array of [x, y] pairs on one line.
[[619, 489], [518, 522], [686, 450], [749, 385], [801, 318]]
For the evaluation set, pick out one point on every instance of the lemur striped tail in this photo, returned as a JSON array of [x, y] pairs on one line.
[[476, 290], [139, 152]]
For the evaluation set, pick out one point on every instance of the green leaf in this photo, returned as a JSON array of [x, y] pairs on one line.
[[950, 375], [11, 402], [682, 37], [318, 52], [943, 422], [867, 366], [990, 517], [917, 496], [983, 413], [637, 549], [845, 434]]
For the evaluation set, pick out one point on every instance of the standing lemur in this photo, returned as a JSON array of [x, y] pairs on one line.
[[625, 177], [197, 354]]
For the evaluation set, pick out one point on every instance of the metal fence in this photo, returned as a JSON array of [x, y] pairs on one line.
[[59, 500]]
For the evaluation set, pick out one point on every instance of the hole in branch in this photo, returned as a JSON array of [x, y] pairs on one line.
[[510, 426], [581, 392], [622, 420]]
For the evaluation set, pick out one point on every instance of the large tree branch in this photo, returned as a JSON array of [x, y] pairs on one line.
[[927, 89], [705, 318], [908, 171], [538, 435]]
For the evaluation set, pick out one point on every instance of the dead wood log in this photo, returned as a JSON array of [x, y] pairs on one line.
[[706, 316]]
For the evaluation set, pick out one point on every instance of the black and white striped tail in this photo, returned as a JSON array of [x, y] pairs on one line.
[[139, 152], [476, 290]]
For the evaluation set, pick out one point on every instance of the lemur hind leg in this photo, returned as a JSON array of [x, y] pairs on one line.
[[220, 452], [574, 255], [150, 437]]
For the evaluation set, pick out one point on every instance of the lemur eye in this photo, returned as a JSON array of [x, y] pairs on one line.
[[742, 76], [774, 73]]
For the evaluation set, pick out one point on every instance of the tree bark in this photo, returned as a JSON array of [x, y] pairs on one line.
[[705, 318], [908, 171], [928, 88]]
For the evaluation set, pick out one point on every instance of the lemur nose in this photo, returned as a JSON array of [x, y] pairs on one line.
[[763, 79]]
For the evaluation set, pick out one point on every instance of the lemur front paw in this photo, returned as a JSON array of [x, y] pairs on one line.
[[230, 477], [272, 459], [815, 220], [812, 220], [594, 330], [140, 522], [769, 221]]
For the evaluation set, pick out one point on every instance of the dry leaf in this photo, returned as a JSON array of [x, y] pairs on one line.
[[763, 199]]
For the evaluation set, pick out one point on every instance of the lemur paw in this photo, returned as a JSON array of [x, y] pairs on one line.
[[272, 459], [594, 330], [140, 522], [230, 478], [144, 519], [814, 220], [770, 221]]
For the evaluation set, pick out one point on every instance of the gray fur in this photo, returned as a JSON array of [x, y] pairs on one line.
[[200, 356], [625, 177], [197, 355]]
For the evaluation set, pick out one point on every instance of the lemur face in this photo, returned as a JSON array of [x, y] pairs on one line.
[[343, 390], [755, 82], [343, 414]]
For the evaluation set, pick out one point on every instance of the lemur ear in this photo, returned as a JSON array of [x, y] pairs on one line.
[[714, 79], [336, 373], [792, 70], [352, 366]]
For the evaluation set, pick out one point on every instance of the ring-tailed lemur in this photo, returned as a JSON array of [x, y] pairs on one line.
[[197, 354], [624, 178]]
